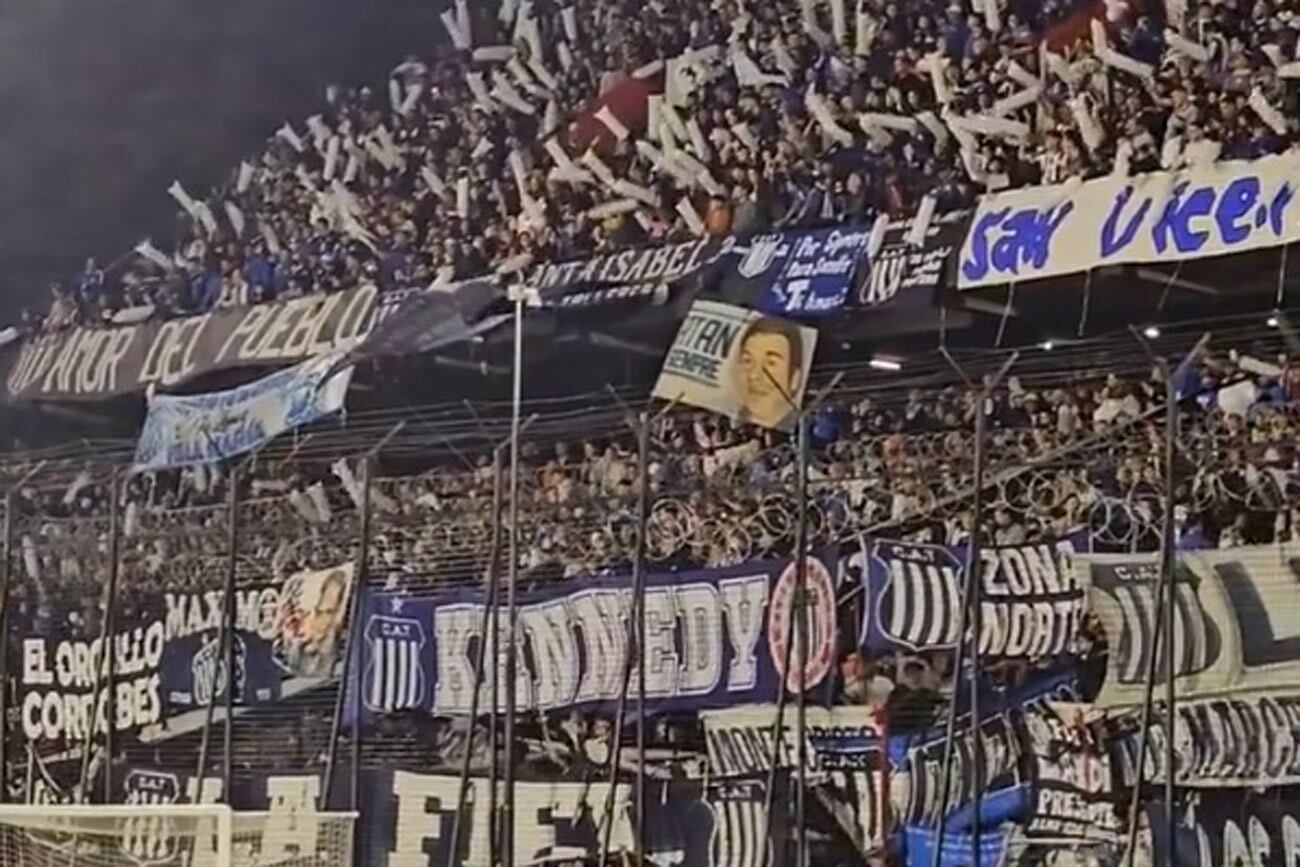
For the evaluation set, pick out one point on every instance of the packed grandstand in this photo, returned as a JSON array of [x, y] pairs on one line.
[[925, 188]]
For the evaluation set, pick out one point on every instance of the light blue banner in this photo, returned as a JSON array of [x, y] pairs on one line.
[[202, 428]]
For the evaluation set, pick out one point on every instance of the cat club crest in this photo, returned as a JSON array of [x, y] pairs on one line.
[[763, 252], [394, 678]]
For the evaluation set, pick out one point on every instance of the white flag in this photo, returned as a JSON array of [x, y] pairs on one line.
[[287, 133], [1267, 113], [236, 218], [612, 123], [147, 249], [493, 54], [689, 214], [331, 157], [458, 38], [462, 197], [184, 199], [435, 184], [245, 177]]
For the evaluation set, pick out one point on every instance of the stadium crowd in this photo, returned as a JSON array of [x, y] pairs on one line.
[[1065, 455], [552, 132]]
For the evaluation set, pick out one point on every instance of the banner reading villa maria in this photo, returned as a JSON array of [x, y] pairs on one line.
[[1032, 604], [1237, 627], [715, 637], [1215, 210], [202, 428], [94, 363]]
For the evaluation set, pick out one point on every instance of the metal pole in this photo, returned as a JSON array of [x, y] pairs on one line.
[[1164, 617], [6, 569], [106, 649], [494, 734], [974, 576], [351, 667], [353, 680], [633, 648], [800, 543], [1168, 565], [512, 577], [485, 643], [228, 648], [801, 631], [226, 642], [638, 570], [969, 619]]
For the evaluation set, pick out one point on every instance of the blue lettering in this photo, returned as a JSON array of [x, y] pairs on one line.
[[1111, 244], [977, 266], [1236, 202], [1026, 239], [1175, 220], [1276, 209]]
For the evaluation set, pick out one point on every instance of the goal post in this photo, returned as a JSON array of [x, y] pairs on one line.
[[180, 835]]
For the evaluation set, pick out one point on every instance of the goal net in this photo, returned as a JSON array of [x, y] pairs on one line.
[[171, 836]]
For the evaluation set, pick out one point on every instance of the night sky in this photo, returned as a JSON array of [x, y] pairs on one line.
[[104, 102]]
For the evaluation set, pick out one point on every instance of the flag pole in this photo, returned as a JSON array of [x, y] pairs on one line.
[[1165, 615], [797, 615], [970, 616], [487, 643], [512, 580]]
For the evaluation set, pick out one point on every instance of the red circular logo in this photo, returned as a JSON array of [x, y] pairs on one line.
[[819, 615]]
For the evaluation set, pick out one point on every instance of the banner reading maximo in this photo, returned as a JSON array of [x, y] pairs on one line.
[[713, 638], [1228, 207], [202, 428]]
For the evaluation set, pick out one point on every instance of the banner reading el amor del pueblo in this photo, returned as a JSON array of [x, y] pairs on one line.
[[716, 637], [1032, 603], [739, 363], [94, 363], [1236, 621], [1214, 210]]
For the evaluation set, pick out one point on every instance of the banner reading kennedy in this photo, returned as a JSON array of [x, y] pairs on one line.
[[1215, 210], [739, 363], [715, 637]]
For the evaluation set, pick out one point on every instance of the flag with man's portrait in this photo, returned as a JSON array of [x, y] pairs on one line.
[[740, 363], [313, 606]]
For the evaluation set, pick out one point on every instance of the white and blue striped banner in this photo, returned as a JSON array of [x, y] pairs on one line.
[[195, 429]]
